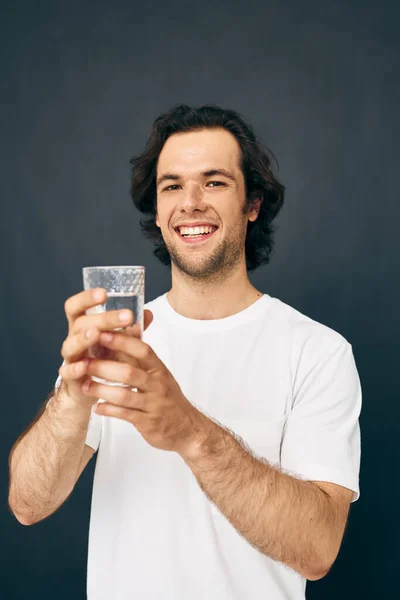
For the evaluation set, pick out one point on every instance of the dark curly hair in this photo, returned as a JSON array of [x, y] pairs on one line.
[[256, 165]]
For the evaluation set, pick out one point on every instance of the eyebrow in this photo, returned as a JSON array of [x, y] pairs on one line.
[[211, 173]]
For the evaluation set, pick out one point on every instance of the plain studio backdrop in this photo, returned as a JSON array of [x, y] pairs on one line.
[[81, 85]]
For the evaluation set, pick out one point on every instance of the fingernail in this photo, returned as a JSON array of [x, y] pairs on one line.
[[89, 333], [124, 315], [86, 385]]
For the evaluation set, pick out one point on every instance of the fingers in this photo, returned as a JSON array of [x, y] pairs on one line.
[[129, 415], [104, 321], [118, 372], [132, 347], [80, 340], [77, 344], [74, 371], [123, 399], [77, 305]]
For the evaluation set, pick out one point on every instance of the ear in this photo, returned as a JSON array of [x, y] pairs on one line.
[[157, 220], [255, 209]]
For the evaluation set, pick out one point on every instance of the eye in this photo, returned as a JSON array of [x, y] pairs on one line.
[[217, 183], [171, 188]]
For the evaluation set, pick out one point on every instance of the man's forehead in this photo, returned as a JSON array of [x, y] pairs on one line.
[[199, 152]]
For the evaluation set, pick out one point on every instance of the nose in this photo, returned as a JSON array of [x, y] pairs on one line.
[[192, 199]]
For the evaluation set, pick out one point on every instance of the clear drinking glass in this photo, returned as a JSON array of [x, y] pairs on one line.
[[125, 289]]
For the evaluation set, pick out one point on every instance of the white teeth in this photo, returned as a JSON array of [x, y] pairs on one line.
[[196, 230]]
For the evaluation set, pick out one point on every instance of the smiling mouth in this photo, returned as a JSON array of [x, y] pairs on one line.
[[196, 237]]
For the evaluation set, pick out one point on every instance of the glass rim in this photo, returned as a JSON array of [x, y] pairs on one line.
[[108, 268]]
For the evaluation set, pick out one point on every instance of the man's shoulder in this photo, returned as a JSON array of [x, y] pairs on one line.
[[304, 331]]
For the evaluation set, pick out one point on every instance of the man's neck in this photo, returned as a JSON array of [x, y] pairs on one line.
[[211, 300]]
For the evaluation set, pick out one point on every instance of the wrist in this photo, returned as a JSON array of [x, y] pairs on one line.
[[206, 439], [71, 405]]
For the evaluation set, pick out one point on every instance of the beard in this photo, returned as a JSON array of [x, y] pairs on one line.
[[213, 264]]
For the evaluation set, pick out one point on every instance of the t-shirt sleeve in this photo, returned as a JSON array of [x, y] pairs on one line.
[[93, 435], [321, 441]]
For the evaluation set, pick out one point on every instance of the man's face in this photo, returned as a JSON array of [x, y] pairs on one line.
[[199, 181]]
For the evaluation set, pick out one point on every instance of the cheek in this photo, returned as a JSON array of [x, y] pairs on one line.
[[163, 217]]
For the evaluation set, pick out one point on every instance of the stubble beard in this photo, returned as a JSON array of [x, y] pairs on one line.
[[214, 265]]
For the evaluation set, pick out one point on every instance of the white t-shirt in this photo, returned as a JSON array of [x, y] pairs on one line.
[[288, 386]]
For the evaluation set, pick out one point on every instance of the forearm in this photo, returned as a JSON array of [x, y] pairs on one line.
[[45, 461], [292, 521]]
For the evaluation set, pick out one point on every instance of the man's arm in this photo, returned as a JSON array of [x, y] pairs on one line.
[[47, 459], [299, 523]]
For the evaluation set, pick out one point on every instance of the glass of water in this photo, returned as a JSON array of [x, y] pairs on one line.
[[125, 289]]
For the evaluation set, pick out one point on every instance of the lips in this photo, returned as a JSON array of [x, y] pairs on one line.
[[198, 239], [200, 224]]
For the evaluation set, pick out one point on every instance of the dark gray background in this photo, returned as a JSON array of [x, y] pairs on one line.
[[81, 85]]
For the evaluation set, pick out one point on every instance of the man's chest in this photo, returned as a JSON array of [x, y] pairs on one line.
[[244, 383]]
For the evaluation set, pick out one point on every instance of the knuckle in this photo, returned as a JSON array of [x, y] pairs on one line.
[[64, 348], [135, 330], [78, 325], [156, 383], [159, 386], [126, 395], [87, 341], [130, 371], [157, 375], [65, 372], [159, 379], [67, 305], [155, 426], [146, 351]]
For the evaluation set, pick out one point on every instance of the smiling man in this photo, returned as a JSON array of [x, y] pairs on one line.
[[226, 468], [201, 172]]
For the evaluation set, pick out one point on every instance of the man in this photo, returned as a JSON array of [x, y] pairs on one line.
[[238, 456]]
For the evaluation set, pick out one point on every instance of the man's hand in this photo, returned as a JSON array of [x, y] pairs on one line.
[[158, 409], [83, 337]]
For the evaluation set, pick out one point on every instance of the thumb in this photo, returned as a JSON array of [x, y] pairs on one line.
[[148, 318]]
